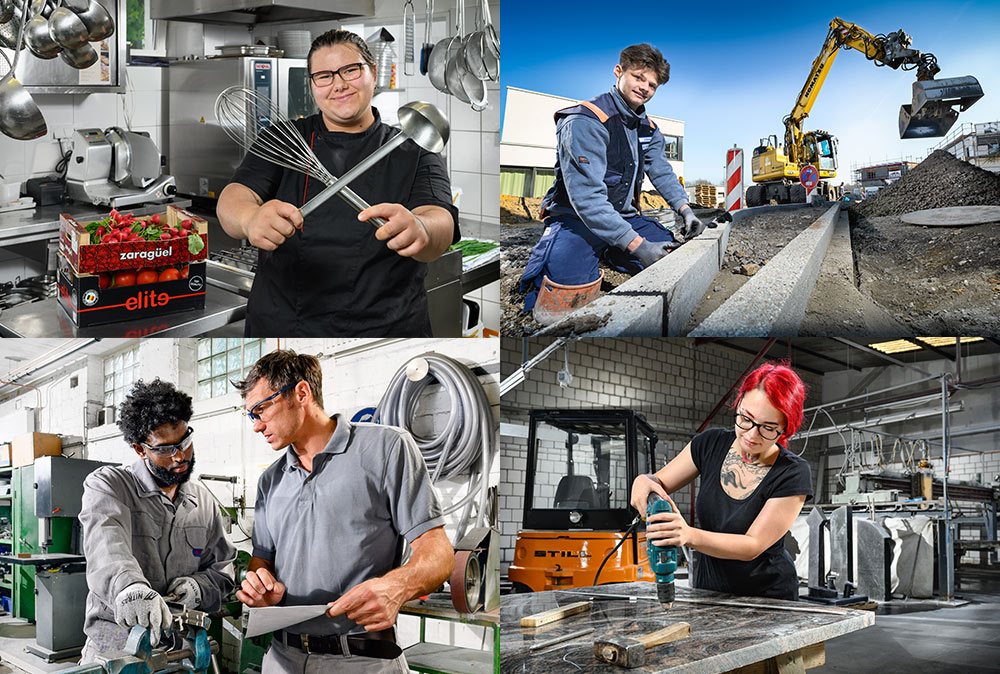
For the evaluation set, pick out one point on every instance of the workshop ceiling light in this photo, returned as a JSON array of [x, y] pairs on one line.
[[903, 345], [895, 346], [948, 341]]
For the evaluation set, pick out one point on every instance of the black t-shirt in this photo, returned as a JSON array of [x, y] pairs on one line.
[[770, 574], [334, 278]]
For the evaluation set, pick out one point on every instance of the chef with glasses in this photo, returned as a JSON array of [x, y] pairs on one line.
[[333, 274], [149, 534]]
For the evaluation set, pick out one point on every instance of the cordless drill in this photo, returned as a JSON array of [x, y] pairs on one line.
[[662, 560]]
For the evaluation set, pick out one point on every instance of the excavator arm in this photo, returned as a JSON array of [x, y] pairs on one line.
[[930, 113]]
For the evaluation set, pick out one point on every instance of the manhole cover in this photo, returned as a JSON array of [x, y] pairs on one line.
[[953, 216]]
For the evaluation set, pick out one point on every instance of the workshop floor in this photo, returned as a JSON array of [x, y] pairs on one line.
[[15, 634], [924, 638]]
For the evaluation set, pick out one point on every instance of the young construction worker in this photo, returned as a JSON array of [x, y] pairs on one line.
[[752, 489], [330, 520], [605, 148], [147, 531]]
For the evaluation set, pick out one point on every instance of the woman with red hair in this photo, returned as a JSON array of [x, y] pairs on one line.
[[752, 489]]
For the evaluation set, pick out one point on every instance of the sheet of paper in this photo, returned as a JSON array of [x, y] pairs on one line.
[[270, 618]]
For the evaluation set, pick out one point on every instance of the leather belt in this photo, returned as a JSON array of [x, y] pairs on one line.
[[380, 645]]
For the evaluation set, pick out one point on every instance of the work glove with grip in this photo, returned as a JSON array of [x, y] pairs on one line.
[[187, 591], [692, 226], [139, 604], [649, 252]]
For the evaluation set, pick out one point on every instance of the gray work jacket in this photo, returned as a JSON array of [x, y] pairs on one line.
[[134, 533]]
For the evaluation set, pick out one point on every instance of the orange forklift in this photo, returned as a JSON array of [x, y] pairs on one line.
[[581, 464]]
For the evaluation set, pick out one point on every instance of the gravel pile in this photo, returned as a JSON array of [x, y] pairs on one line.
[[940, 180]]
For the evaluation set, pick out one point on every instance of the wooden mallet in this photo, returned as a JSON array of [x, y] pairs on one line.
[[627, 652]]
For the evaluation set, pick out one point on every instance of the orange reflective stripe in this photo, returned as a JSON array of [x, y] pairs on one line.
[[601, 116]]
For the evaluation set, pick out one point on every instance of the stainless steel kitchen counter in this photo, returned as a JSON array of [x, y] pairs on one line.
[[40, 224], [48, 319]]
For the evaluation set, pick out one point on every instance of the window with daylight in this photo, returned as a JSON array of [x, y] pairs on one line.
[[120, 372], [222, 360]]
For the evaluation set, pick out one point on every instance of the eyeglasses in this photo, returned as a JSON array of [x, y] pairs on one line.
[[254, 412], [167, 451], [351, 71], [767, 432]]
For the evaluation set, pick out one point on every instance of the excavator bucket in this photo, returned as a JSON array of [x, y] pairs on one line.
[[931, 113]]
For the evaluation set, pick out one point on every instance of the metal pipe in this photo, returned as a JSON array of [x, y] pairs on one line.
[[949, 544], [871, 393]]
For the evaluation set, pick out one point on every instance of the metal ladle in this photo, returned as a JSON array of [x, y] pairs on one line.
[[80, 58], [6, 10], [98, 22], [20, 117], [421, 122], [67, 29], [38, 38]]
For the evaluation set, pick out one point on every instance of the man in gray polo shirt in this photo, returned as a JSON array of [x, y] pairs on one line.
[[330, 521], [147, 531]]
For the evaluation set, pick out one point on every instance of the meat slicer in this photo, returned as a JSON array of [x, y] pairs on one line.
[[116, 168]]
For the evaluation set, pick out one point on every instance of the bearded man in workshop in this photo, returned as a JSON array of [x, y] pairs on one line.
[[332, 274], [330, 521], [605, 148], [149, 533]]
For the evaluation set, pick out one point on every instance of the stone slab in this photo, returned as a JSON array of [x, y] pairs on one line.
[[817, 547], [656, 302], [722, 637], [773, 302], [842, 546], [874, 560], [953, 216]]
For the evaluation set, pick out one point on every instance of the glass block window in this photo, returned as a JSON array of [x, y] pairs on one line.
[[120, 372], [222, 360]]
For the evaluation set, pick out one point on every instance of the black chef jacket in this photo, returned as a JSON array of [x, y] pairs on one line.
[[334, 278]]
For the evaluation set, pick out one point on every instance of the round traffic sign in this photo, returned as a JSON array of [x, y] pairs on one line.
[[809, 176]]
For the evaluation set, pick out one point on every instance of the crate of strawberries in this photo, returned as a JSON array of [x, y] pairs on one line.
[[125, 268], [124, 241]]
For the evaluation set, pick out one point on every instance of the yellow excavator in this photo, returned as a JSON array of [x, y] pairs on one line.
[[776, 167]]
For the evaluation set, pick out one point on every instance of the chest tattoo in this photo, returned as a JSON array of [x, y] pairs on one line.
[[738, 478]]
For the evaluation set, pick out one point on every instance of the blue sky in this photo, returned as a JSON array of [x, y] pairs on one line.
[[736, 68]]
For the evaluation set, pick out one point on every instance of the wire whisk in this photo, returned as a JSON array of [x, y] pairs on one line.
[[256, 124]]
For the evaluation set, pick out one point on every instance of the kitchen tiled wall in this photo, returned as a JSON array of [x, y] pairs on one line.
[[472, 153]]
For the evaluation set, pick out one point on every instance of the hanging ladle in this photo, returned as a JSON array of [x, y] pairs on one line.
[[80, 58], [20, 117], [67, 29], [6, 10], [421, 122], [98, 22]]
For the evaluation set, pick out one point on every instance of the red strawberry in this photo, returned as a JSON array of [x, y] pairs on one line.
[[155, 219], [186, 224], [165, 237]]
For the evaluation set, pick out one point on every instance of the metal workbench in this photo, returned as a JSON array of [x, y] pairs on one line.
[[48, 319], [723, 638]]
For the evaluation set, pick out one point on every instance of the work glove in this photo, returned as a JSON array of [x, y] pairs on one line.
[[649, 252], [139, 604], [692, 226], [186, 590]]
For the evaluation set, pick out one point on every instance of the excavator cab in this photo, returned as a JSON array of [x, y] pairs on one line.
[[931, 113], [581, 464]]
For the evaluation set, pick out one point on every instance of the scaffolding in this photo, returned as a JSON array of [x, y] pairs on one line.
[[976, 143]]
